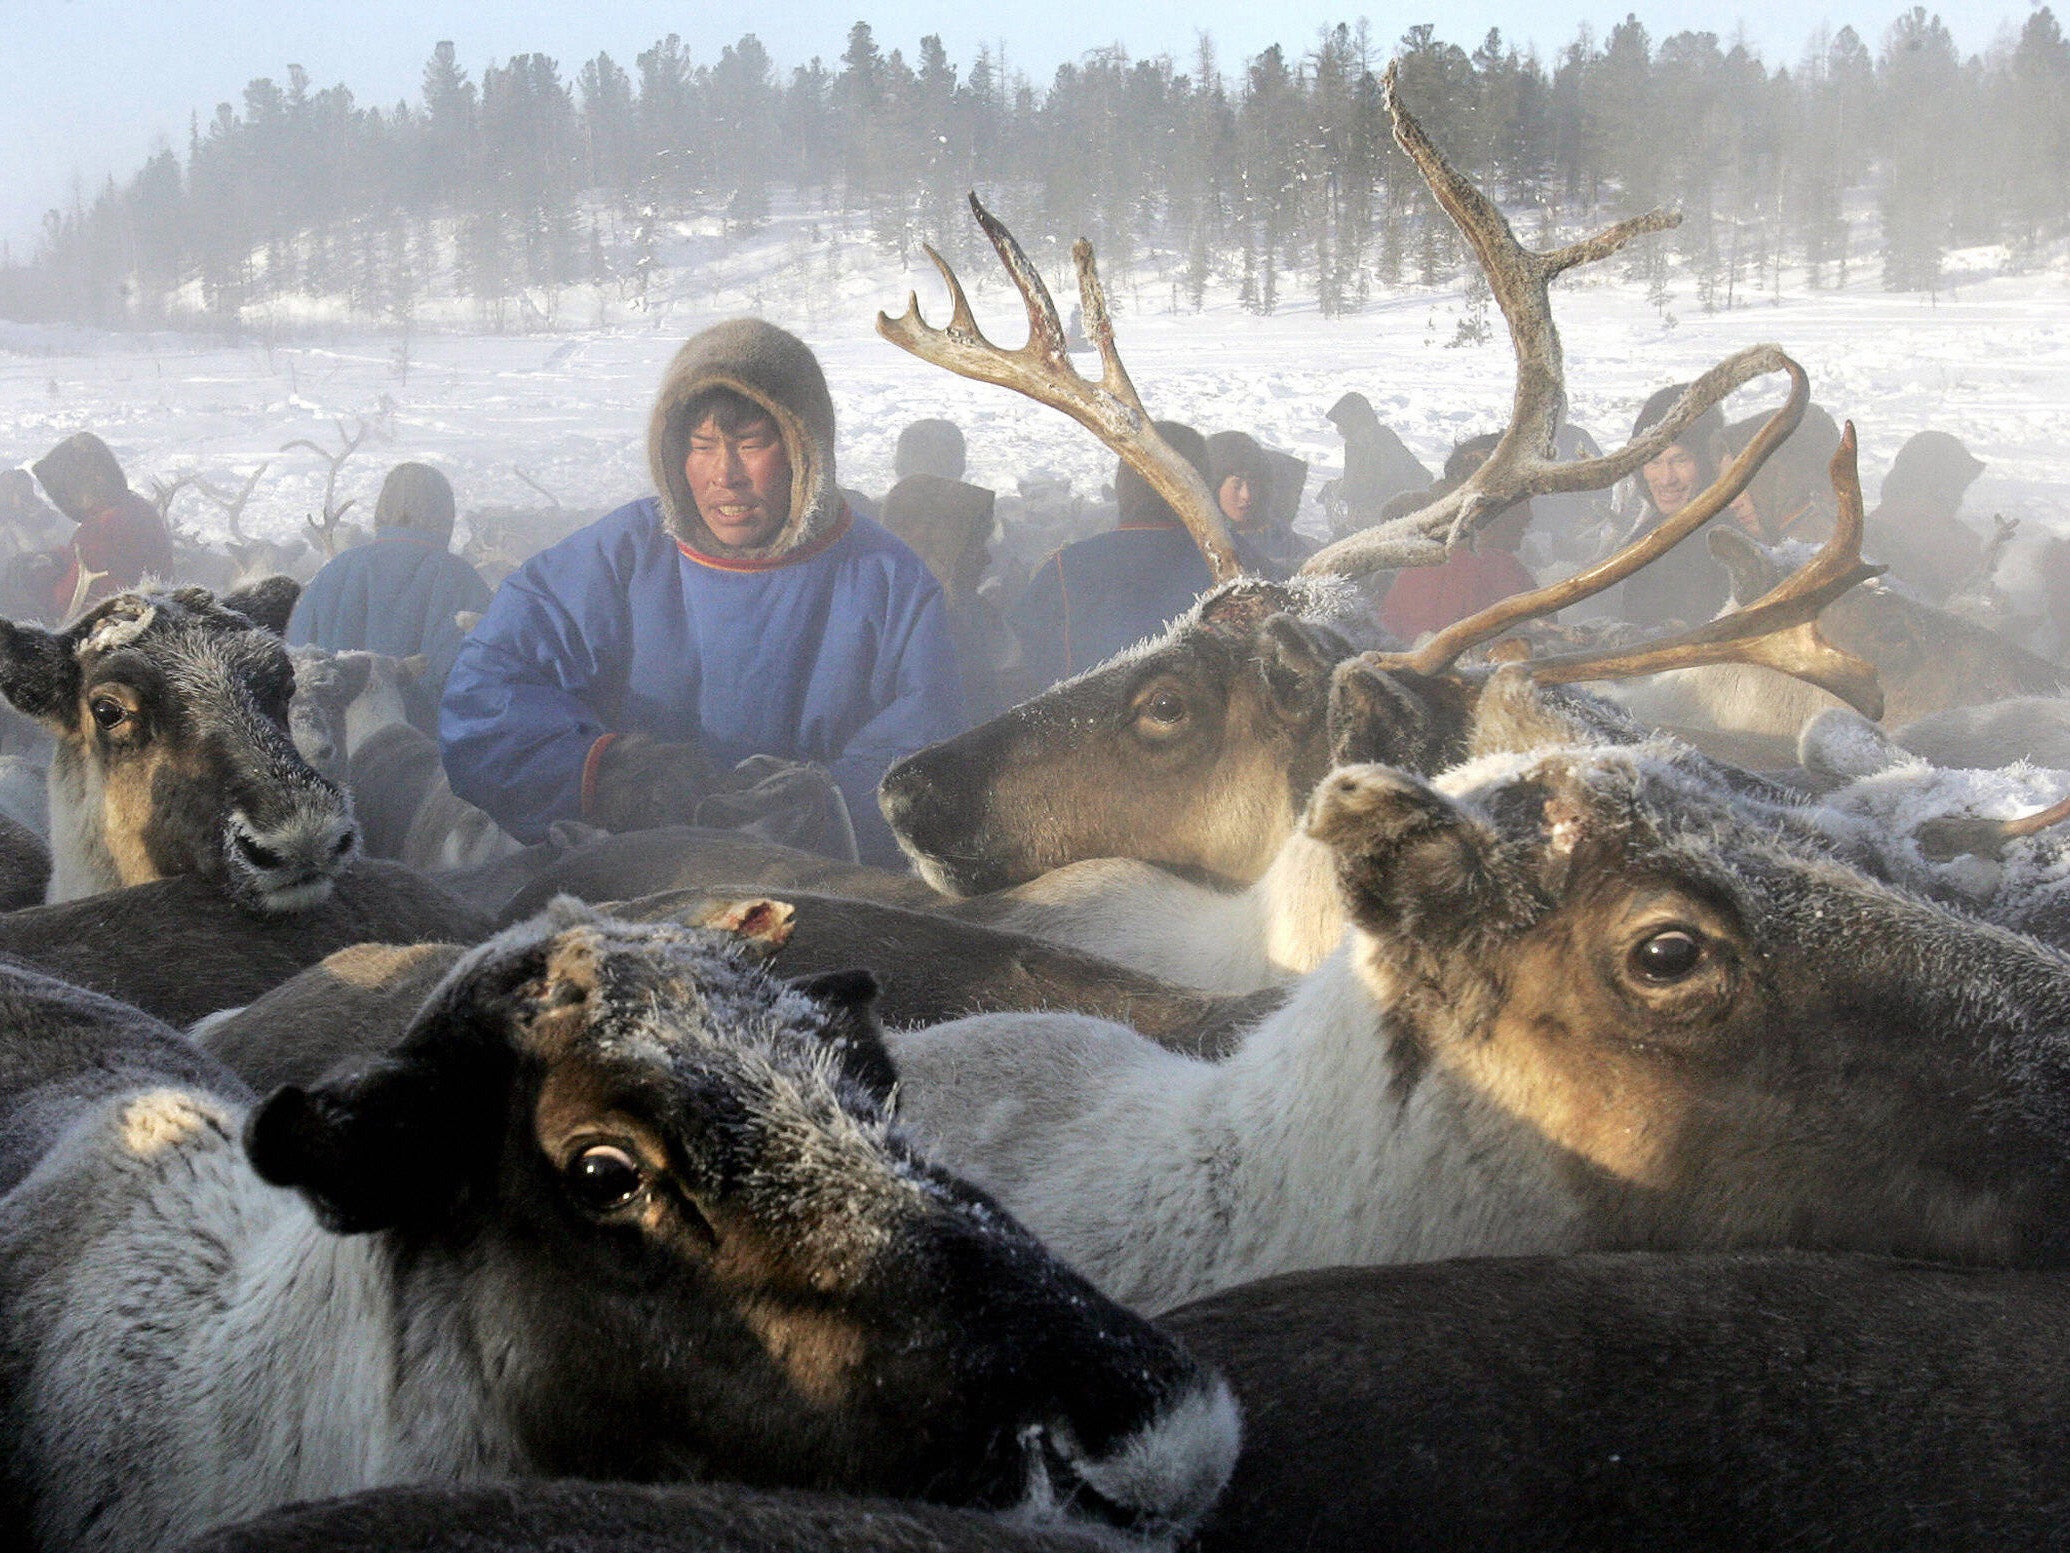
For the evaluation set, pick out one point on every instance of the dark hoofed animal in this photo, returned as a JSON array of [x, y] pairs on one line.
[[619, 1205], [170, 711]]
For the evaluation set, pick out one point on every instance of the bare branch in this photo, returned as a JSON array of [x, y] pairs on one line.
[[1042, 369], [535, 485]]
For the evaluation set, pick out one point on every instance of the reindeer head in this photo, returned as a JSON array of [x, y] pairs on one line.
[[666, 1190], [1196, 750], [1726, 1036], [173, 754]]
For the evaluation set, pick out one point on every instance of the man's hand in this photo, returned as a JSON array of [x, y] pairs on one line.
[[642, 784], [790, 802]]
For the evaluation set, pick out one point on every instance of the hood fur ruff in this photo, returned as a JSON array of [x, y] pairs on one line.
[[778, 371]]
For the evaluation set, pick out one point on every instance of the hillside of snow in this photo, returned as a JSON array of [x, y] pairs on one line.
[[562, 392]]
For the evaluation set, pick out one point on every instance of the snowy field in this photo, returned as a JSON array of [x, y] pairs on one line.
[[566, 401]]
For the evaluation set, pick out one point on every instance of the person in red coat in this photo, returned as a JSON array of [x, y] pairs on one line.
[[1486, 571], [121, 539]]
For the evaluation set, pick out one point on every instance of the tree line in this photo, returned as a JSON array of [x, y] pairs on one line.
[[1279, 176]]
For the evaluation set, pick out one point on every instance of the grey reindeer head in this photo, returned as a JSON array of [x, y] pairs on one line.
[[673, 1196], [173, 752], [1726, 1036]]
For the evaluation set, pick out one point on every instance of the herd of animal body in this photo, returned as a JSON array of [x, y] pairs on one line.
[[1313, 1094]]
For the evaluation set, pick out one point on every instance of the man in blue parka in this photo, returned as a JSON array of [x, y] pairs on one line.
[[399, 593], [742, 612], [1099, 595]]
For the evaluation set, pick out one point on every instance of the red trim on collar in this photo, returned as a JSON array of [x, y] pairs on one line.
[[734, 563], [590, 763]]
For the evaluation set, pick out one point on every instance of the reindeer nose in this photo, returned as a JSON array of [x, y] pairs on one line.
[[290, 865]]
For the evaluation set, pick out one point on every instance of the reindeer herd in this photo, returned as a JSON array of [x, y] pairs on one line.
[[1309, 1092]]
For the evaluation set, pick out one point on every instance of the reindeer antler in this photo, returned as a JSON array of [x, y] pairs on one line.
[[1777, 631], [233, 506], [326, 531], [1042, 369], [1943, 840], [165, 492], [1522, 464]]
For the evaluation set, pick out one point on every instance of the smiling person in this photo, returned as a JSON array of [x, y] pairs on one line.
[[743, 612], [1684, 585]]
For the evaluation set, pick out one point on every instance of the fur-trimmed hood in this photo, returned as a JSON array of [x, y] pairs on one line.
[[778, 371]]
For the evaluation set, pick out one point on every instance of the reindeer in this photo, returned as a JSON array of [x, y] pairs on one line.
[[578, 1517], [356, 1002], [1197, 750], [1926, 660], [326, 532], [1591, 998], [181, 949], [612, 1173], [173, 756], [1717, 1401]]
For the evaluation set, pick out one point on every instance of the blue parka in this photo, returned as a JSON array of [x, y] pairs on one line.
[[830, 643], [843, 658], [1099, 595], [396, 595]]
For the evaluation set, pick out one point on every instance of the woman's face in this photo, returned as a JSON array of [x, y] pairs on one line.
[[1671, 479], [1237, 497]]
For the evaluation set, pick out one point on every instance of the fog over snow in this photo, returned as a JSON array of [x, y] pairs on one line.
[[564, 398]]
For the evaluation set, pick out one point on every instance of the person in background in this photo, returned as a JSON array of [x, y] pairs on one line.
[[718, 643], [1484, 571], [1378, 466], [949, 525], [120, 539], [1915, 527], [398, 593], [1686, 584], [1240, 475], [1095, 597], [931, 447]]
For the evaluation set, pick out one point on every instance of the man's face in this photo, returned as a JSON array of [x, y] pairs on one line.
[[1671, 479], [740, 480], [1236, 499]]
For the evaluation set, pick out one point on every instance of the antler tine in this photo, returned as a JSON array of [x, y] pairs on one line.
[[1045, 329], [1447, 646], [1779, 630], [1945, 839], [1042, 369], [1521, 464]]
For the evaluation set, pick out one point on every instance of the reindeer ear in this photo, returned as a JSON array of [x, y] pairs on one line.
[[1408, 857], [267, 602], [39, 673], [1393, 718], [372, 1151], [1295, 659], [850, 999], [353, 670], [1752, 569], [1841, 745]]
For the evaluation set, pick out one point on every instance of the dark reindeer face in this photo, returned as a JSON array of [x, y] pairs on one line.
[[693, 1242], [1729, 1038], [1195, 751], [173, 754]]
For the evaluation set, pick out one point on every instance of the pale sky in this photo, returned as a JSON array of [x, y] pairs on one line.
[[90, 87]]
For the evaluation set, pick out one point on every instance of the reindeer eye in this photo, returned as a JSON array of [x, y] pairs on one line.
[[1667, 956], [605, 1177], [1164, 707], [108, 713]]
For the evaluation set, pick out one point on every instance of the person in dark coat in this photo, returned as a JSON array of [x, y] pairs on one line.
[[741, 620], [1686, 584], [1791, 495], [398, 593], [930, 447], [1915, 527], [120, 540], [1092, 599], [1377, 466], [1242, 477], [1481, 572]]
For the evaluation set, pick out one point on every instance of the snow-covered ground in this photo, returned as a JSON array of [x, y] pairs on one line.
[[1990, 362]]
